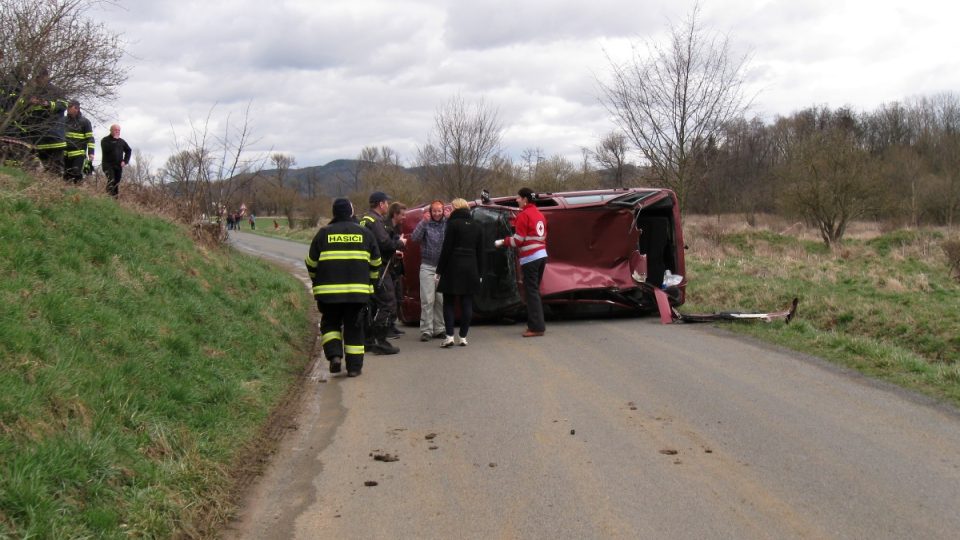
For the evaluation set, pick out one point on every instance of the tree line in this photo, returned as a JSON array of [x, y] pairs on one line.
[[682, 122]]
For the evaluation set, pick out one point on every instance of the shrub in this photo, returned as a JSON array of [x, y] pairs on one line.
[[951, 248]]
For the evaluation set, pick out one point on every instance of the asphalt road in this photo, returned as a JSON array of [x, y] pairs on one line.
[[606, 429]]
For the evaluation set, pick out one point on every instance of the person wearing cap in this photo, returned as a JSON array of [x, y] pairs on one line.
[[343, 262], [384, 302], [530, 241], [81, 146], [115, 155]]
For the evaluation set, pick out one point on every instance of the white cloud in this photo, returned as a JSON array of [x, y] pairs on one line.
[[328, 78]]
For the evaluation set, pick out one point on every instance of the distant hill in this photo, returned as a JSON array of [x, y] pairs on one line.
[[335, 179]]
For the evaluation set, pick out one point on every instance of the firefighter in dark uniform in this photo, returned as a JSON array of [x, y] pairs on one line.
[[384, 302], [81, 146], [343, 262], [44, 123]]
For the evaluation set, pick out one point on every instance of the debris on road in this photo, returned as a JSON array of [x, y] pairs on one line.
[[388, 458]]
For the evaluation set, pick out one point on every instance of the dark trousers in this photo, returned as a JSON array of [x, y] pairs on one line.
[[341, 333], [52, 160], [73, 168], [532, 276], [384, 303], [113, 180], [466, 312]]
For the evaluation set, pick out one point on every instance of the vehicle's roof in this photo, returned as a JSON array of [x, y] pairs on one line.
[[573, 199], [592, 197]]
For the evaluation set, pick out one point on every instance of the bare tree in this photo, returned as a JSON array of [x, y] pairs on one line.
[[282, 164], [382, 170], [829, 181], [81, 56], [611, 155], [677, 98], [555, 174], [209, 169], [284, 195], [140, 172], [531, 159], [459, 152]]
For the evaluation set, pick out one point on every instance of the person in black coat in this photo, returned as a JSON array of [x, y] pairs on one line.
[[459, 269], [115, 155]]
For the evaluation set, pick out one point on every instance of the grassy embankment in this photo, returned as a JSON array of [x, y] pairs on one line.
[[136, 367], [882, 303]]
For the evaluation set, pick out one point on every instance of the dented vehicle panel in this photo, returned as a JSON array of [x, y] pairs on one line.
[[609, 250]]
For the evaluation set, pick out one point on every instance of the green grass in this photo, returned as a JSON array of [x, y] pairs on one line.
[[886, 307], [265, 228], [135, 365]]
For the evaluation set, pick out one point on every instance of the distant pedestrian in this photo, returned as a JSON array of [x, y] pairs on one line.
[[530, 240], [429, 234], [342, 257], [115, 155], [253, 222], [460, 269]]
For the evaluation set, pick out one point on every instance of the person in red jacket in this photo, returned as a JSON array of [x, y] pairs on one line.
[[530, 240]]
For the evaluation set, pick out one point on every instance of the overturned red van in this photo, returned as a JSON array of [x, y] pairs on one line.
[[608, 249]]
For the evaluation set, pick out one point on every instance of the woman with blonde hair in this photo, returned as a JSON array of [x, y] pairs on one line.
[[460, 269]]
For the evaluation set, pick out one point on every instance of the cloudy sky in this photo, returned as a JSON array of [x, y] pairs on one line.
[[325, 78]]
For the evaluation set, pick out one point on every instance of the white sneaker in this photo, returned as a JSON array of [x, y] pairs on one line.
[[447, 342], [461, 341]]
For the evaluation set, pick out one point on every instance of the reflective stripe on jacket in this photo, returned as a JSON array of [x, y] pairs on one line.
[[530, 236], [343, 262], [79, 135]]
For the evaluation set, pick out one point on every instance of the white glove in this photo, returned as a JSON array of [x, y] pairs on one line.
[[498, 243]]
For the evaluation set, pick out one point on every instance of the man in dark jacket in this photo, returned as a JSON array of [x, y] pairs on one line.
[[342, 262], [44, 124], [115, 155], [80, 143], [384, 298]]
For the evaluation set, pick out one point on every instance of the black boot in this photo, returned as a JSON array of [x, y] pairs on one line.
[[354, 366], [335, 364], [380, 344], [393, 332]]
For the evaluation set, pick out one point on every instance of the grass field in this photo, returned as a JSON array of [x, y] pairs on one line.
[[883, 303], [135, 366]]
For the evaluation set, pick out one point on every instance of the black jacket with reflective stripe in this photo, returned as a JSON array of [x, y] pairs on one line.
[[43, 124], [343, 262], [79, 136], [377, 225]]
